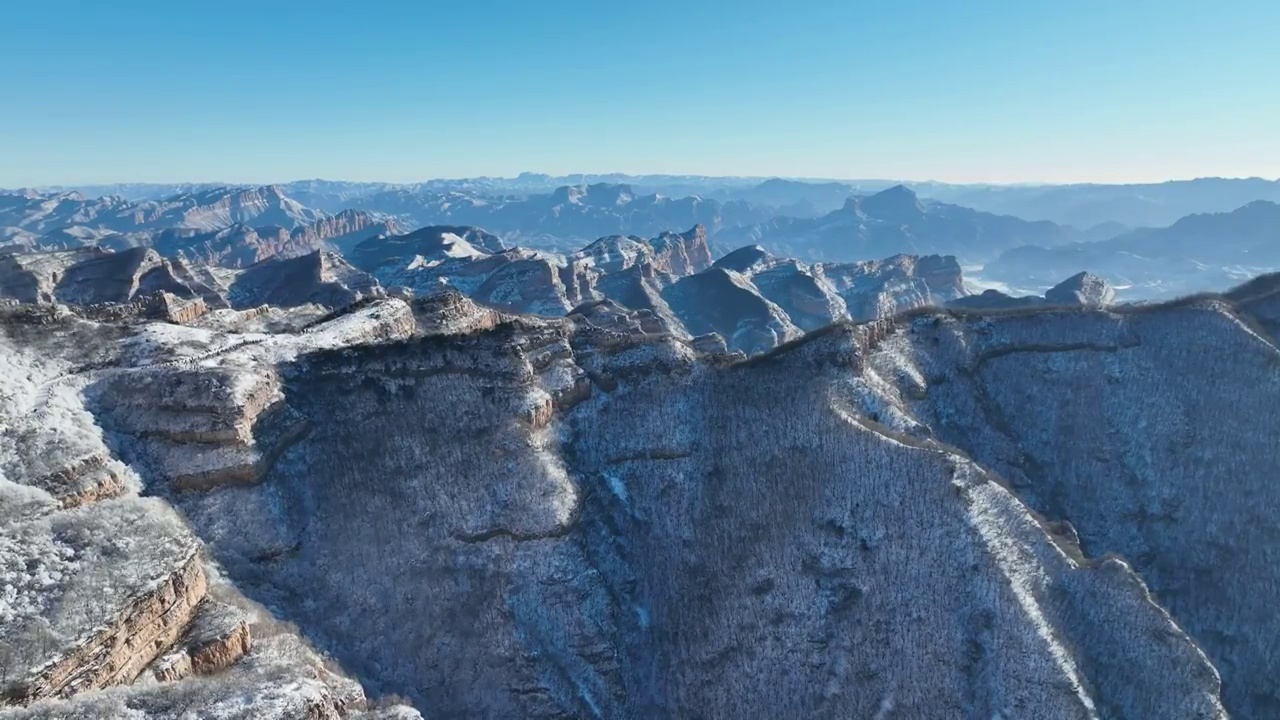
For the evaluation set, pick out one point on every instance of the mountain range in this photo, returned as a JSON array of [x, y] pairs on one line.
[[237, 227], [896, 220], [261, 460], [1084, 206], [752, 300], [1199, 252], [487, 514]]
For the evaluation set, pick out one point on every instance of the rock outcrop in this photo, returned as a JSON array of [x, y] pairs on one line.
[[139, 282], [92, 595], [752, 299], [106, 605], [92, 276], [677, 254], [655, 541]]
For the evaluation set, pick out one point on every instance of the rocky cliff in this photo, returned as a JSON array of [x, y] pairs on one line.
[[1020, 514], [108, 605]]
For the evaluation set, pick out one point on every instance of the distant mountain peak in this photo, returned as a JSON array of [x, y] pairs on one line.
[[744, 258], [896, 202]]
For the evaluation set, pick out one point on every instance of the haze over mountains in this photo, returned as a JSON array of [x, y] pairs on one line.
[[1082, 205], [812, 221]]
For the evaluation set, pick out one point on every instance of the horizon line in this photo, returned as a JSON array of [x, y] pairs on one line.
[[757, 178]]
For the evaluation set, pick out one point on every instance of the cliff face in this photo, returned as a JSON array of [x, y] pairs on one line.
[[239, 245], [322, 278], [646, 534], [91, 276], [107, 606], [139, 281], [1146, 429], [506, 516]]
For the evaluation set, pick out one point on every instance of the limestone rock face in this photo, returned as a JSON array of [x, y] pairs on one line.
[[676, 254], [138, 282], [86, 277], [321, 278], [92, 595], [612, 316], [791, 296], [434, 259], [104, 594], [217, 636], [1143, 428], [728, 303], [281, 679], [1055, 513], [1082, 289], [629, 545], [451, 313], [475, 263], [657, 542]]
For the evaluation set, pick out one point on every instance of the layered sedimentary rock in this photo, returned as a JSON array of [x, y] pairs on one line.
[[644, 536], [793, 296], [281, 679], [239, 246], [92, 594], [216, 637], [89, 276], [140, 282], [1083, 288], [1009, 515], [675, 254], [105, 601], [322, 278]]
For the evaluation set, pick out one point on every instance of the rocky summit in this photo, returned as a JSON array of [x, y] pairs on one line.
[[1054, 512]]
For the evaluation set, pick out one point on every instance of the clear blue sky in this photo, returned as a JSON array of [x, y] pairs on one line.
[[961, 90]]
